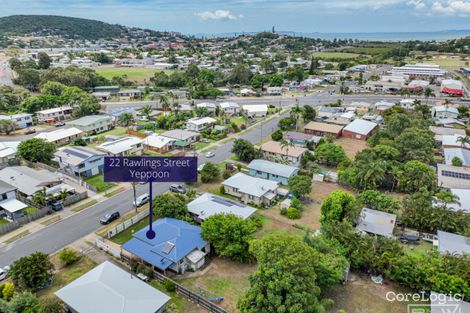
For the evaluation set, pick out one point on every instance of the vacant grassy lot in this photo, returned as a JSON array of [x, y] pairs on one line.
[[65, 275], [351, 146], [98, 182], [133, 74], [118, 131], [448, 62], [335, 55], [223, 278], [361, 295]]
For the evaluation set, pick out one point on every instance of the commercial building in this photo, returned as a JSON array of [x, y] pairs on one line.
[[419, 70]]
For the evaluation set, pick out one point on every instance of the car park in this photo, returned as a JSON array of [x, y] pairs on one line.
[[110, 217], [177, 188]]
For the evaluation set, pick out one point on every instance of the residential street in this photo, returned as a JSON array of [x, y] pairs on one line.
[[63, 233]]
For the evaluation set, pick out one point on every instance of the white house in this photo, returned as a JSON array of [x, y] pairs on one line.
[[8, 150], [55, 114], [200, 123], [443, 111], [61, 136], [230, 108], [22, 120], [157, 143], [251, 189], [209, 106], [255, 110], [123, 146], [208, 204]]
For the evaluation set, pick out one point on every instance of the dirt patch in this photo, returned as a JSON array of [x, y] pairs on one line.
[[222, 278], [351, 146], [361, 295]]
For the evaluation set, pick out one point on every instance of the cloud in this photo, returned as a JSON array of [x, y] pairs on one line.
[[223, 15], [441, 8]]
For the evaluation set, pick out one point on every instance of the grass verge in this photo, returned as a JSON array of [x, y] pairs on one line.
[[17, 236], [115, 192], [51, 220], [84, 206]]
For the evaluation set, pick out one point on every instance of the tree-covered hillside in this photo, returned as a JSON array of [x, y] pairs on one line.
[[68, 27]]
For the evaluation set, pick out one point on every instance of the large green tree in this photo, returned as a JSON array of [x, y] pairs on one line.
[[416, 144], [337, 206], [416, 175], [300, 185], [285, 280], [210, 173], [230, 235], [171, 205], [330, 154], [244, 150], [32, 271], [36, 150]]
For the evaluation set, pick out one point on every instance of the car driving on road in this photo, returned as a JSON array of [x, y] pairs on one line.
[[141, 200], [210, 154], [177, 188]]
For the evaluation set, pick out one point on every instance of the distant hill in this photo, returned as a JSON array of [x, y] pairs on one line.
[[67, 27]]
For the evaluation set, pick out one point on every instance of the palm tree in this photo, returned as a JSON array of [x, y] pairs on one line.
[[428, 92], [147, 111], [164, 102], [286, 144], [63, 194], [175, 105], [464, 140], [40, 197], [126, 119], [295, 113], [371, 174]]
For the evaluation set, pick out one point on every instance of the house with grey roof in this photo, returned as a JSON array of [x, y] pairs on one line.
[[208, 204], [28, 180], [123, 146], [8, 150], [452, 243], [10, 207], [182, 138], [93, 124], [272, 171], [109, 289], [251, 189], [376, 222], [80, 161]]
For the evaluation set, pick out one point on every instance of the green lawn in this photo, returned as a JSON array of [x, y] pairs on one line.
[[422, 248], [180, 304], [118, 131], [98, 182], [126, 235], [3, 221], [239, 120], [66, 275], [335, 55], [200, 145], [133, 74]]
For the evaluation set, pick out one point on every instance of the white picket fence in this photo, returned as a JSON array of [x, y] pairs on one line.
[[101, 243], [127, 223]]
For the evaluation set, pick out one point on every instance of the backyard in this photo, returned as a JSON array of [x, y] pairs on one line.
[[99, 183], [3, 221]]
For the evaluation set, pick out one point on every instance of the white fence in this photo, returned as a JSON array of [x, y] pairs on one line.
[[101, 243], [126, 224]]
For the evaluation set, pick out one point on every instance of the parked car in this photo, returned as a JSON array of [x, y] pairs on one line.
[[210, 154], [59, 124], [108, 218], [3, 274], [141, 200], [142, 277], [177, 188], [405, 238], [201, 167], [205, 140], [56, 206], [30, 131]]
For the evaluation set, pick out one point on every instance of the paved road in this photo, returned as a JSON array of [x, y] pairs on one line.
[[57, 236], [5, 72]]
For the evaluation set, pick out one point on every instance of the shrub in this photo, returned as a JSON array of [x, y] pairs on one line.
[[226, 175], [68, 256], [169, 285], [293, 213], [222, 190], [243, 127], [8, 291], [283, 211]]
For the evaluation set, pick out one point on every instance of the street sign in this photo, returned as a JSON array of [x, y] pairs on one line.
[[149, 170]]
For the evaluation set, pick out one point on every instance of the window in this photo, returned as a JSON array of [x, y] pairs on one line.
[[456, 175], [4, 196]]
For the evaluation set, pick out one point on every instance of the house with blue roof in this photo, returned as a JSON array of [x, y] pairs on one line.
[[272, 171], [177, 246]]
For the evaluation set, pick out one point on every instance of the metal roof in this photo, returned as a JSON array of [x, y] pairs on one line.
[[12, 205], [376, 222], [120, 145], [360, 126], [462, 154], [91, 119], [273, 168], [26, 179], [184, 236], [77, 155], [208, 204], [453, 243], [59, 134], [109, 289], [251, 185], [180, 134]]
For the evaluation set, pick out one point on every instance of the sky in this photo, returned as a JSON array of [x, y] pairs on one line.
[[214, 16]]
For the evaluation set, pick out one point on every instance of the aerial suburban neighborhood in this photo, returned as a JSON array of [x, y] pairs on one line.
[[331, 173]]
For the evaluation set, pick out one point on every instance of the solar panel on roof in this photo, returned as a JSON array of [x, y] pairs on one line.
[[75, 153], [169, 246], [226, 202]]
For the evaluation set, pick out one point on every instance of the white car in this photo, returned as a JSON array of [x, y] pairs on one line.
[[201, 167], [141, 200], [210, 154], [3, 274]]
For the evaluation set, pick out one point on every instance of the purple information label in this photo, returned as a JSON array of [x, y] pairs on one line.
[[150, 169]]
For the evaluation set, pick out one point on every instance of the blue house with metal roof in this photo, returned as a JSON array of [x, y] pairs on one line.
[[272, 171], [177, 246], [80, 161]]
